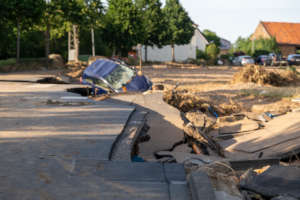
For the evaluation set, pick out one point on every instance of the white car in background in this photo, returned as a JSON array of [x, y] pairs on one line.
[[243, 60]]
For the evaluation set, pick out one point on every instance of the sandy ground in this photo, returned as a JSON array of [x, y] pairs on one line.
[[213, 84]]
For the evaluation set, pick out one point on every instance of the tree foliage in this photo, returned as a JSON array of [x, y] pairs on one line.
[[123, 25], [212, 37], [153, 20], [42, 25], [250, 47], [212, 52], [180, 27]]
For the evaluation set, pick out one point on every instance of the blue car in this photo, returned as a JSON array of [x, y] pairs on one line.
[[107, 76]]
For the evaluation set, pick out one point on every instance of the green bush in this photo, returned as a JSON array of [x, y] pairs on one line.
[[212, 52], [6, 62], [260, 52], [201, 54]]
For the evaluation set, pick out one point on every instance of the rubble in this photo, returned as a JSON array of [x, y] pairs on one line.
[[186, 102], [258, 74], [275, 181]]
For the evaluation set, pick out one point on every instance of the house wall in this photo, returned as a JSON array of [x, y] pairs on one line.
[[182, 52], [260, 32], [287, 49], [199, 40], [224, 51]]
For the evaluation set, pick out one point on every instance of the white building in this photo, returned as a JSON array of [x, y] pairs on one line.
[[182, 52]]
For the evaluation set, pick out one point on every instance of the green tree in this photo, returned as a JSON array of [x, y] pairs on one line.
[[51, 23], [256, 47], [123, 25], [23, 14], [94, 12], [153, 22], [212, 37], [180, 27]]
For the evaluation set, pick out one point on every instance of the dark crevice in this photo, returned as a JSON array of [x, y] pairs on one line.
[[82, 91], [51, 80]]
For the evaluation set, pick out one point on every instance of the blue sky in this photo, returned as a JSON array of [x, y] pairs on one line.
[[233, 18]]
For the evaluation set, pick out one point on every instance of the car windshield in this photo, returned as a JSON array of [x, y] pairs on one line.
[[120, 76]]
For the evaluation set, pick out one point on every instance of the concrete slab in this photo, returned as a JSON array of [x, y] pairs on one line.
[[40, 121], [280, 136], [122, 171], [50, 180], [88, 179], [179, 192], [200, 186], [164, 121], [60, 150], [275, 181], [174, 173]]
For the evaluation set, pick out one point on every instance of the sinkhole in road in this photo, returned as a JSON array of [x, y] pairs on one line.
[[82, 91], [51, 80]]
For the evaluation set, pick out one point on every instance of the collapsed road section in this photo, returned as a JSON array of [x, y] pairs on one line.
[[61, 143]]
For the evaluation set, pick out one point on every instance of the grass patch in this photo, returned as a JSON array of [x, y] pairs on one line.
[[83, 58], [278, 93], [25, 64], [10, 61]]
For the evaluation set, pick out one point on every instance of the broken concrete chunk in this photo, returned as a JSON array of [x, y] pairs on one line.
[[224, 180], [231, 118], [200, 119], [283, 198], [200, 186], [276, 181], [221, 195], [238, 126], [182, 157]]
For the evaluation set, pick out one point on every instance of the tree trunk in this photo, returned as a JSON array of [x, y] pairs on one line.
[[173, 53], [114, 52], [76, 41], [93, 41], [146, 53], [18, 41], [47, 44]]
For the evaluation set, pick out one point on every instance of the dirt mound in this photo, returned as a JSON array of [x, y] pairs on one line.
[[94, 58], [75, 70], [56, 61], [258, 74], [185, 102]]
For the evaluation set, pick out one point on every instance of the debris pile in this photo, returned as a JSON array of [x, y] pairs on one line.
[[186, 102], [258, 74], [75, 70], [56, 61]]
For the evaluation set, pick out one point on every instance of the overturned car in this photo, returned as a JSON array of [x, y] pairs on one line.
[[108, 76]]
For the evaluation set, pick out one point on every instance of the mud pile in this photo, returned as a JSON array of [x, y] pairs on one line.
[[75, 70], [185, 102], [258, 74]]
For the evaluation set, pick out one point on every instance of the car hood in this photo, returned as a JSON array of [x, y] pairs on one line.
[[139, 83]]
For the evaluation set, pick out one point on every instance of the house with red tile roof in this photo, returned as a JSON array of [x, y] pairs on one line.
[[287, 35]]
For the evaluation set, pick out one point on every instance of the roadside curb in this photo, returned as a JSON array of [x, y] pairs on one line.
[[122, 148]]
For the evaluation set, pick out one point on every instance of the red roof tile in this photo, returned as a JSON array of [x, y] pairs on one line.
[[285, 33]]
